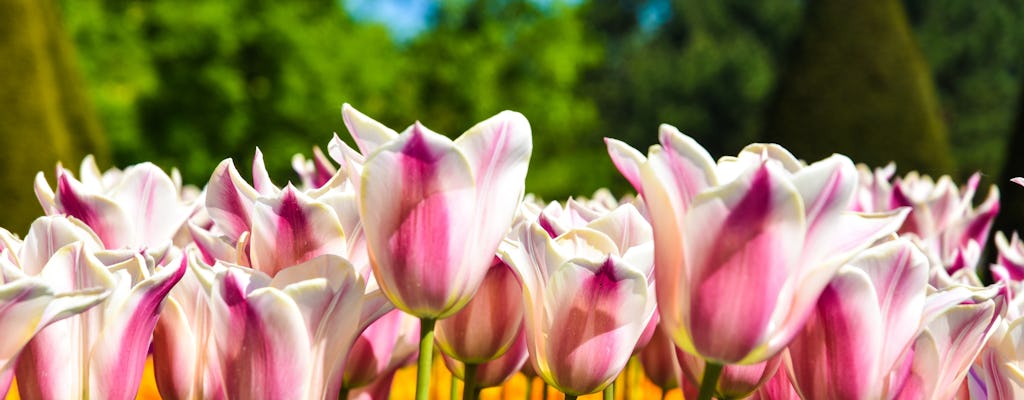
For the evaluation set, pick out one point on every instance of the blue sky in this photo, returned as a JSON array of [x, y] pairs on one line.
[[407, 18]]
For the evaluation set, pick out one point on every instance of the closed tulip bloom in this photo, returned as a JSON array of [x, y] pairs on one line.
[[866, 318], [776, 388], [660, 361], [587, 297], [744, 247], [497, 371], [736, 380], [488, 325], [434, 210]]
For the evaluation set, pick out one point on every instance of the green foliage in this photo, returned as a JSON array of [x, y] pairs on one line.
[[46, 116], [487, 56], [708, 70], [857, 85], [975, 53], [189, 83]]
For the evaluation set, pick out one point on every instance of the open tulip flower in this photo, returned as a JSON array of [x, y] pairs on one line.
[[29, 304], [287, 336], [139, 208], [957, 323], [943, 217], [999, 371], [586, 295], [744, 247], [865, 320], [99, 353]]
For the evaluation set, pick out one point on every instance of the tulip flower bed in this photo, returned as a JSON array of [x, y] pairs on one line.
[[413, 255]]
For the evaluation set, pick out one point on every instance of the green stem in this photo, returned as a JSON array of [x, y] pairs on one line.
[[343, 394], [609, 392], [425, 359], [570, 397], [453, 389], [710, 380], [544, 394], [529, 388], [469, 373], [664, 393]]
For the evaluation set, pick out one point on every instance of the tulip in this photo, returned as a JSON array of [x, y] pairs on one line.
[[487, 326], [101, 352], [958, 321], [586, 295], [185, 362], [997, 373], [439, 209], [140, 208], [778, 387], [314, 173], [1011, 255], [942, 216], [866, 318], [494, 372], [660, 361], [734, 381], [287, 336], [434, 211], [744, 247], [29, 304]]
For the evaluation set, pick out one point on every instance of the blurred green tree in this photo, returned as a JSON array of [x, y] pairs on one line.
[[707, 69], [974, 51], [489, 55], [188, 83], [47, 116], [857, 85]]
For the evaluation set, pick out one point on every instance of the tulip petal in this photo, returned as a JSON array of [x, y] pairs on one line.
[[261, 338], [119, 352], [49, 234], [419, 191], [368, 134], [105, 217], [292, 229], [835, 355], [628, 161], [745, 239], [151, 200], [498, 151], [260, 177], [229, 200]]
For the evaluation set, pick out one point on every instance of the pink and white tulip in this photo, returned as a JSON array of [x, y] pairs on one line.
[[586, 295], [957, 323], [139, 208], [101, 352], [288, 336], [488, 325], [497, 371], [865, 320], [435, 210], [27, 305], [745, 247]]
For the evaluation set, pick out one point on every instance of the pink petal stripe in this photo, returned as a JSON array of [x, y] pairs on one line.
[[229, 200]]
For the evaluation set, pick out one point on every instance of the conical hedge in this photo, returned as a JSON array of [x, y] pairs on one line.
[[857, 84], [46, 116]]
